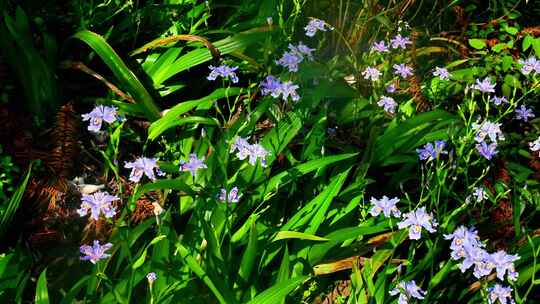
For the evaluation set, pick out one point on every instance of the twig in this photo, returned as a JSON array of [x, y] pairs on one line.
[[77, 65]]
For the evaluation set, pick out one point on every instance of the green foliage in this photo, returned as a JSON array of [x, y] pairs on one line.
[[10, 207], [34, 66], [126, 77], [42, 294], [7, 176], [302, 224]]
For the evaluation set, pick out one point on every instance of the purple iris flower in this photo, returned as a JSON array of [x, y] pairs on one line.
[[140, 166], [477, 258], [479, 194], [315, 25], [523, 113], [473, 254], [257, 151], [290, 60], [499, 100], [535, 145], [462, 237], [391, 88], [98, 115], [232, 197], [275, 87], [504, 263], [385, 205], [484, 86], [407, 290], [371, 73], [432, 151], [400, 42], [442, 73], [302, 49], [97, 203], [242, 146], [288, 89], [96, 252], [194, 163], [402, 70], [271, 86], [487, 151], [482, 264], [466, 245], [295, 56], [417, 219], [151, 277], [388, 103], [500, 294], [251, 151], [380, 47], [223, 71], [487, 128], [530, 65]]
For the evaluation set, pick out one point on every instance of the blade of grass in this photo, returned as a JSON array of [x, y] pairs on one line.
[[14, 203], [262, 193], [34, 74], [172, 119], [278, 292], [284, 235], [42, 294], [221, 295], [248, 260]]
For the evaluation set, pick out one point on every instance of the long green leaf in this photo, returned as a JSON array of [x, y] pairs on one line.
[[283, 178], [69, 297], [279, 137], [285, 235], [120, 70], [172, 115], [202, 55], [318, 251], [284, 271], [186, 120], [284, 268], [222, 295], [402, 135], [323, 202], [42, 293], [13, 203], [313, 212], [214, 246], [153, 66], [278, 292], [248, 260], [142, 258], [35, 76]]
